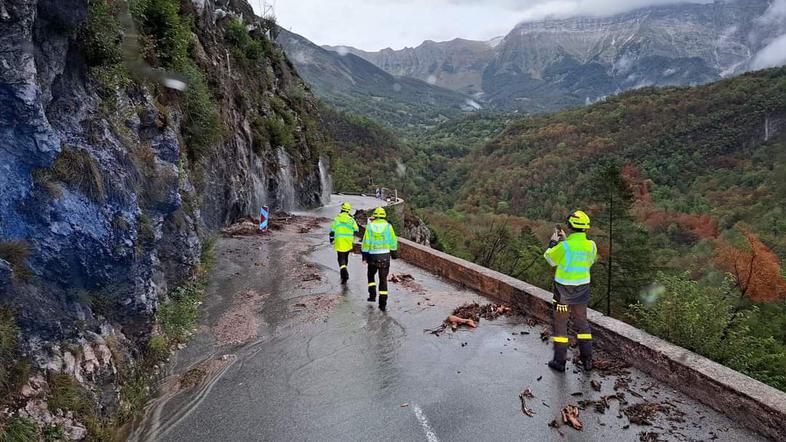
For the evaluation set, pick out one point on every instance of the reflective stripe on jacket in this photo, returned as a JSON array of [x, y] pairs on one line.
[[343, 229], [379, 238], [573, 258]]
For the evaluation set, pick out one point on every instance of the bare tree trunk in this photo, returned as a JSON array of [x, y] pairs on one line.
[[611, 249]]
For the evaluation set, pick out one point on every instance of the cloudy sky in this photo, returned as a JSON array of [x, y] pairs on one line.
[[377, 24]]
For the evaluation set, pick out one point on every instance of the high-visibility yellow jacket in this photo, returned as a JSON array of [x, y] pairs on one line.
[[379, 238], [573, 258], [342, 230]]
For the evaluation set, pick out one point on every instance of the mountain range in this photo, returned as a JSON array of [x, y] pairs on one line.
[[552, 64], [351, 83]]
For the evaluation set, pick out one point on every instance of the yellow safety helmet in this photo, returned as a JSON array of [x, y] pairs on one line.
[[579, 220], [346, 207], [379, 212]]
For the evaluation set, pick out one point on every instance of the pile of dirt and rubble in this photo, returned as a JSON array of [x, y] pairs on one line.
[[470, 315], [242, 227], [249, 226], [644, 413]]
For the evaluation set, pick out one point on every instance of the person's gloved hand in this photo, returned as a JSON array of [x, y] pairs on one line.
[[331, 240], [394, 254]]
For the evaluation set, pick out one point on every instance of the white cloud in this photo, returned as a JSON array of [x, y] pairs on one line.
[[376, 24], [772, 23], [774, 54]]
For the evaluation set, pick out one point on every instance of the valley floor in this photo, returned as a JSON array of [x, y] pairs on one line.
[[285, 353]]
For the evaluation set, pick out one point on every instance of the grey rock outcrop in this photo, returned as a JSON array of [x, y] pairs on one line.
[[100, 184]]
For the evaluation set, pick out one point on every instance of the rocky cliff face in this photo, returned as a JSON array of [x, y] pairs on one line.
[[556, 63], [120, 156]]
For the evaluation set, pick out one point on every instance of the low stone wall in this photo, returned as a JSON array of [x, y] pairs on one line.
[[745, 400]]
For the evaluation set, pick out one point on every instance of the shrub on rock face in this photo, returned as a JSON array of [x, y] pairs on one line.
[[101, 35], [168, 32]]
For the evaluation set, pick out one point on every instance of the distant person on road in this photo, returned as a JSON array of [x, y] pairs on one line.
[[342, 234], [572, 255], [379, 246]]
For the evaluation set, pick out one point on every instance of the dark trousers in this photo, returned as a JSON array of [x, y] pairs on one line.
[[343, 265], [378, 264], [562, 313]]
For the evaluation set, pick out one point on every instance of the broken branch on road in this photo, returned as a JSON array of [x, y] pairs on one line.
[[570, 416], [523, 396]]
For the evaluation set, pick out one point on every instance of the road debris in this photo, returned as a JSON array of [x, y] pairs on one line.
[[595, 385], [408, 281], [601, 405], [475, 311], [470, 314], [570, 416], [645, 412], [650, 436], [545, 334], [239, 324], [192, 378], [398, 278], [611, 367], [312, 277], [455, 321], [523, 396], [621, 383], [242, 227], [404, 405]]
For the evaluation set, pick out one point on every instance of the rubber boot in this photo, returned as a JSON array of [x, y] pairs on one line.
[[560, 356], [372, 294], [585, 352], [344, 276], [557, 366], [383, 302]]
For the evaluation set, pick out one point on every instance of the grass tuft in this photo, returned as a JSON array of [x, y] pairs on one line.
[[76, 169], [18, 429], [14, 369], [16, 253]]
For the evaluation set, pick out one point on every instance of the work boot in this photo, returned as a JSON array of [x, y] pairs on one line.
[[383, 302], [586, 364], [557, 366], [344, 276]]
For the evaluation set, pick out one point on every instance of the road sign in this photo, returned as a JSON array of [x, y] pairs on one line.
[[264, 217]]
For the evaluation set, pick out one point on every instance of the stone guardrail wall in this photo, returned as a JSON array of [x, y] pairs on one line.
[[747, 401]]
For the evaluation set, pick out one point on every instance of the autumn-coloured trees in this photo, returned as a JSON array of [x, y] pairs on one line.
[[756, 270]]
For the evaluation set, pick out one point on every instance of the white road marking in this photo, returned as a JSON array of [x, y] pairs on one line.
[[430, 435]]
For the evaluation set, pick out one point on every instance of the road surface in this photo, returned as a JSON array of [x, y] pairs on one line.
[[285, 353]]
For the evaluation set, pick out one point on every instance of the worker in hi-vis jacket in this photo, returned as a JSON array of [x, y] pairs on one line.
[[379, 246], [342, 234]]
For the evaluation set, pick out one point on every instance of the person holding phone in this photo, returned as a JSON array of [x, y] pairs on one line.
[[573, 255]]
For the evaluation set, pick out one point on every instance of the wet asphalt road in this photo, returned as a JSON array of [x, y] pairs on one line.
[[326, 365]]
